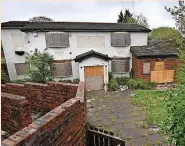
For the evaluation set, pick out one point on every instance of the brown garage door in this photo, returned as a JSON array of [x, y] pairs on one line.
[[94, 77]]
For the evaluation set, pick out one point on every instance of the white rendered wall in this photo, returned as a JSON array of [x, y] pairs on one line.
[[32, 43]]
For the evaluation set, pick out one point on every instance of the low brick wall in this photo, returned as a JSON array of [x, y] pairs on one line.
[[15, 111], [137, 65], [65, 125], [42, 96]]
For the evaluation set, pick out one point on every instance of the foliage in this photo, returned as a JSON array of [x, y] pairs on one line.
[[40, 19], [122, 80], [126, 17], [141, 20], [20, 81], [75, 81], [178, 13], [41, 67], [154, 102], [110, 75], [135, 83], [165, 33], [4, 75], [120, 17], [113, 85], [175, 123], [175, 104], [132, 83]]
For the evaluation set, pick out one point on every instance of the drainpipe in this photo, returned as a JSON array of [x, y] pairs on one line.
[[105, 83]]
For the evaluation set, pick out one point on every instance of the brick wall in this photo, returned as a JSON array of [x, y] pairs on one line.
[[137, 65], [42, 96], [15, 111], [65, 125]]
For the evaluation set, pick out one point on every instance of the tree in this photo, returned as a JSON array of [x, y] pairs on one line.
[[165, 33], [178, 14], [41, 66], [127, 16], [141, 20], [120, 17], [40, 19]]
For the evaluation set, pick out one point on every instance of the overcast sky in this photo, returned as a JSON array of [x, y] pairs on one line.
[[90, 11]]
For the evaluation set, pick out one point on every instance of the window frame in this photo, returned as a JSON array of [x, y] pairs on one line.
[[149, 68], [63, 75], [16, 69], [125, 67], [61, 46]]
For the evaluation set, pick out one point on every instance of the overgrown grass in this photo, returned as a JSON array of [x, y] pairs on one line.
[[155, 104]]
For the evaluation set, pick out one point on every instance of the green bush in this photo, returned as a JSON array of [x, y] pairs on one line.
[[4, 77], [4, 73], [135, 83], [75, 81], [20, 81], [41, 67], [110, 75], [113, 85], [122, 80]]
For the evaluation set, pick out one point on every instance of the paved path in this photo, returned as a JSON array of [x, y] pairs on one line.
[[114, 111]]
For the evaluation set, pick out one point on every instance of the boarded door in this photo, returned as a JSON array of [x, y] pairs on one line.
[[159, 75], [165, 76], [94, 77]]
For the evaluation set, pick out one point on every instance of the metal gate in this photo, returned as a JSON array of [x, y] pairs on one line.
[[99, 137]]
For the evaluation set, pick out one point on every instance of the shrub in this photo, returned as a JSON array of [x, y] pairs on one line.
[[41, 67], [20, 81], [4, 77], [4, 74], [122, 80], [135, 83], [113, 85], [110, 75], [75, 81]]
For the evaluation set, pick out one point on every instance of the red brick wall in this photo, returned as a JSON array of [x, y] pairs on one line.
[[15, 111], [64, 125], [137, 65], [42, 96]]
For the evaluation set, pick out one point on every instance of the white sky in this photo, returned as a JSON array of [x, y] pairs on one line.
[[89, 11]]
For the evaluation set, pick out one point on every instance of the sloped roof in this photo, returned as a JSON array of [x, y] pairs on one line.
[[155, 48], [91, 53], [75, 26]]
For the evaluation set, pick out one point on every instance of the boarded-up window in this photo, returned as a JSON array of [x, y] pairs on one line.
[[159, 66], [21, 68], [17, 40], [62, 69], [90, 41], [57, 39], [120, 65], [146, 68], [120, 39]]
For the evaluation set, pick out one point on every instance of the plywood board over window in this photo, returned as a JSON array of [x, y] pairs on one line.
[[159, 66], [146, 68], [21, 68], [90, 41], [57, 39], [17, 40], [62, 69], [120, 39], [120, 65]]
